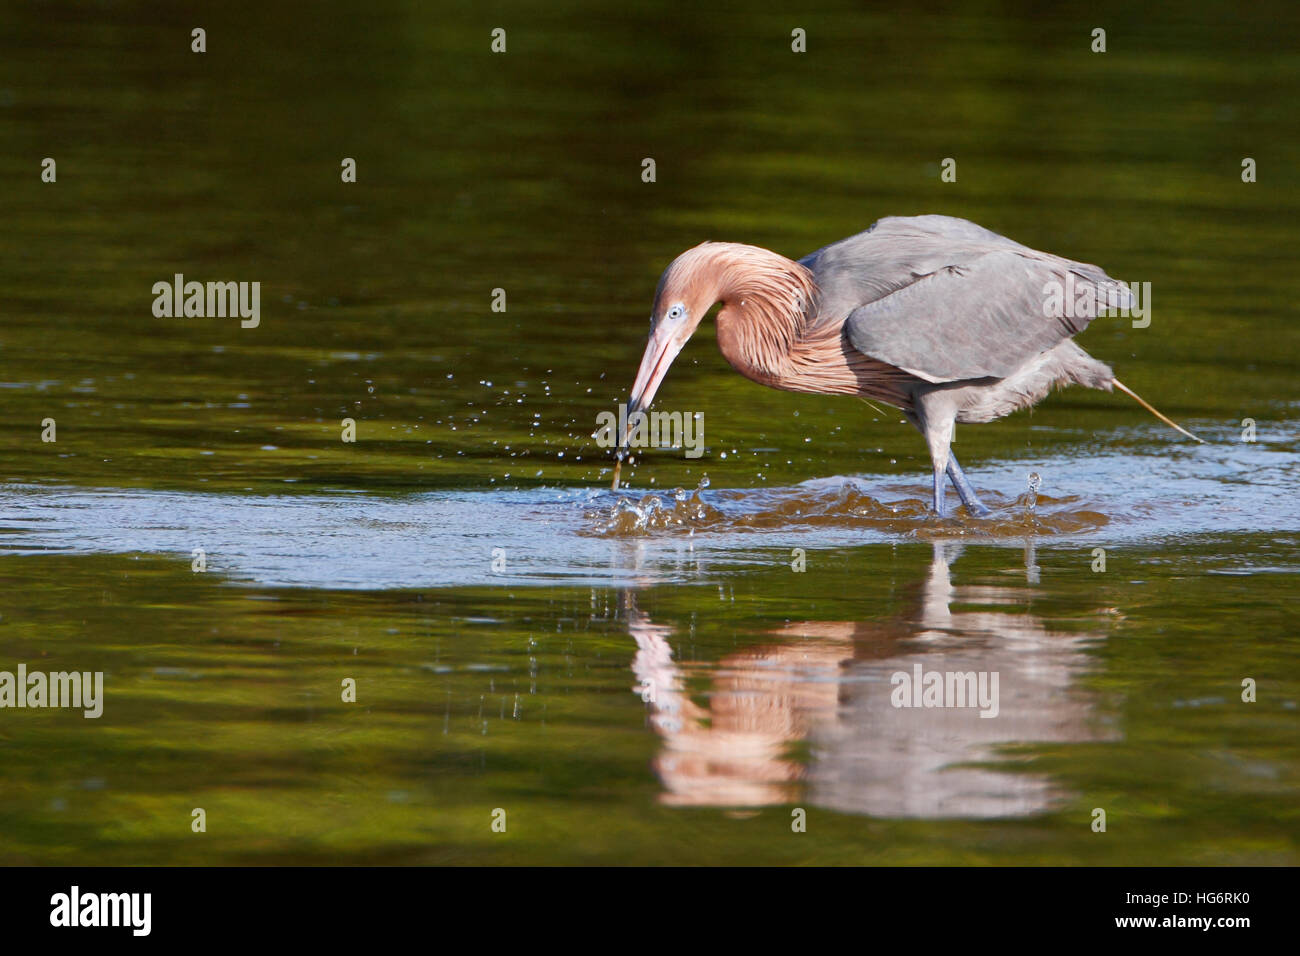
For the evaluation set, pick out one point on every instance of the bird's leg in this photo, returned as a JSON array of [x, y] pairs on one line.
[[935, 416], [938, 490], [968, 496]]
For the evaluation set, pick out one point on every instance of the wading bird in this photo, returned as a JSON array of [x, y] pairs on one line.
[[944, 320]]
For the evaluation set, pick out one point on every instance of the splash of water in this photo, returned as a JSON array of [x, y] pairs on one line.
[[686, 511], [829, 503], [1030, 497]]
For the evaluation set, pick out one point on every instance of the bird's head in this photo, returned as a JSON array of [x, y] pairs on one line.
[[684, 296], [769, 290]]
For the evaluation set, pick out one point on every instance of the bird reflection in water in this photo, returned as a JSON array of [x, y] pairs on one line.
[[827, 685]]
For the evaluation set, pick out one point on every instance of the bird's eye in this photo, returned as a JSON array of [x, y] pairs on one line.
[[676, 312]]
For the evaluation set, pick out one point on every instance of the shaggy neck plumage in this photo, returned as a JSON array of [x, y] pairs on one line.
[[767, 301], [769, 328]]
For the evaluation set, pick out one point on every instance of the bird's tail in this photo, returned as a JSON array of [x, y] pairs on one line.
[[1141, 401]]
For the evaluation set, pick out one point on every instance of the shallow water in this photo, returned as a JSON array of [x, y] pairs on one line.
[[546, 535], [663, 674]]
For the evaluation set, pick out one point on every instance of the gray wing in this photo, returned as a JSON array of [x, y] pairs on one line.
[[892, 253], [947, 300]]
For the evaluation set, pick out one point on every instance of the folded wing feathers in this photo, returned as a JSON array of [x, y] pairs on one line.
[[947, 300]]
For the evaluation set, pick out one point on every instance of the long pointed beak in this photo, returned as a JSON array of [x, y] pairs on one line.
[[660, 351], [659, 354]]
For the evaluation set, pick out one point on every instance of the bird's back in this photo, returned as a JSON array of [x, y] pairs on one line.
[[896, 251], [948, 300]]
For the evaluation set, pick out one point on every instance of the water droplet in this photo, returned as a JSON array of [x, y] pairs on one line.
[[1031, 499]]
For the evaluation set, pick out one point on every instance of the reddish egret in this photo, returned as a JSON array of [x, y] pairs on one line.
[[940, 318]]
